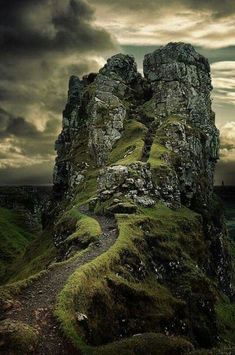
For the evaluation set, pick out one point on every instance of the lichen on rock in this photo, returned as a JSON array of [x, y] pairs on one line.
[[144, 149]]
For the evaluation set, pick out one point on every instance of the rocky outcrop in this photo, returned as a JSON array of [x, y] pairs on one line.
[[179, 149], [106, 116], [175, 91], [145, 149], [27, 201], [181, 85]]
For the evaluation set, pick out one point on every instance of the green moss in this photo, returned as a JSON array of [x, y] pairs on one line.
[[226, 316], [148, 343], [111, 288], [87, 231], [109, 206], [156, 152], [88, 276], [88, 188], [226, 310], [173, 119], [148, 109], [129, 148], [14, 239], [104, 277], [39, 254], [179, 229], [17, 337], [122, 207], [79, 152]]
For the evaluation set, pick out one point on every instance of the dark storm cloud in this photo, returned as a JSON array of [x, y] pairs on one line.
[[217, 7], [33, 27], [17, 126], [213, 54], [42, 43]]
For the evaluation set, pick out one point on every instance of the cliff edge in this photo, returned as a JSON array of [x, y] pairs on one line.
[[144, 149], [133, 215]]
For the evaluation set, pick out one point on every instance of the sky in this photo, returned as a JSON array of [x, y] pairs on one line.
[[44, 42]]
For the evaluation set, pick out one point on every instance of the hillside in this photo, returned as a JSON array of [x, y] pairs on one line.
[[143, 264], [14, 239]]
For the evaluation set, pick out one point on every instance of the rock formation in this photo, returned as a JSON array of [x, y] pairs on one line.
[[175, 97], [28, 201], [141, 146]]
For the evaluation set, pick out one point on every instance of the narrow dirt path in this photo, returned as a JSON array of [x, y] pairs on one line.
[[37, 302]]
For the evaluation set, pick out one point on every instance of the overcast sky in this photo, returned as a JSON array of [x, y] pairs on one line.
[[43, 42]]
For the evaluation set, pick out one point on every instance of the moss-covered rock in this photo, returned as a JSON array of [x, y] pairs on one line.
[[149, 343], [17, 337], [157, 144]]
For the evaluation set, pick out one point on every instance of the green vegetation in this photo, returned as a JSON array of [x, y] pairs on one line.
[[114, 295], [129, 148], [17, 337], [39, 254], [87, 189], [150, 285], [24, 256], [226, 310], [87, 231], [148, 343], [148, 109], [226, 316], [155, 157], [14, 239]]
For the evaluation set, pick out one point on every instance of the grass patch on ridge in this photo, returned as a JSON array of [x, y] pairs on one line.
[[129, 147], [94, 279]]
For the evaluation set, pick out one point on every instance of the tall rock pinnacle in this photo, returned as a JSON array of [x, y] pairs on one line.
[[143, 150], [172, 101]]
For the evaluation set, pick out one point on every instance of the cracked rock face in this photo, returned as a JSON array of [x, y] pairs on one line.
[[144, 149], [106, 115], [181, 85], [122, 67], [176, 89]]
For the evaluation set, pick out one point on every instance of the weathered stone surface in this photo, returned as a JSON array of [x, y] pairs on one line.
[[180, 104], [106, 116], [122, 67], [17, 337], [70, 125], [181, 85], [130, 142]]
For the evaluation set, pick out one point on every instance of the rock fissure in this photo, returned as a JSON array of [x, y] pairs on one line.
[[148, 142]]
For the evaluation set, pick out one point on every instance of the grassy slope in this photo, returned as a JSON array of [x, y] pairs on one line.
[[23, 254], [14, 239], [38, 255], [94, 279], [91, 279], [98, 281], [129, 148], [226, 310]]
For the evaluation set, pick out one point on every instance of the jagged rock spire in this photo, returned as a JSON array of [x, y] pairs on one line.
[[122, 66], [176, 90]]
